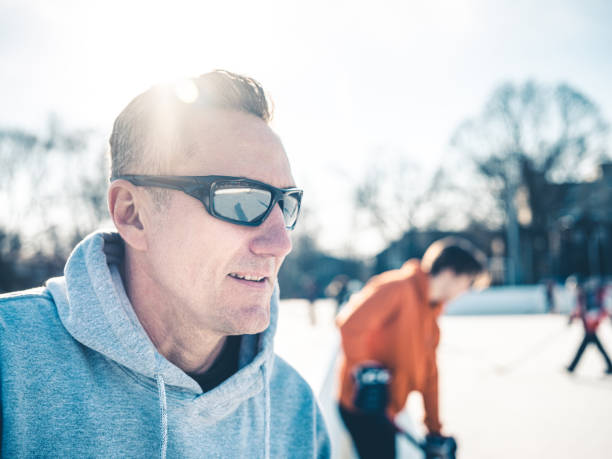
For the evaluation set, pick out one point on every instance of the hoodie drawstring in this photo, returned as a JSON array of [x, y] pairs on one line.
[[163, 414], [267, 413]]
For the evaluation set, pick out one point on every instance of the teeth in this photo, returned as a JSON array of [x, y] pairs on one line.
[[247, 277]]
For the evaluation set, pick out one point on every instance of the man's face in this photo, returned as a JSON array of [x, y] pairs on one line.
[[454, 285], [197, 263]]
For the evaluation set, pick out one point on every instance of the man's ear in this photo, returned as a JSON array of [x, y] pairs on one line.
[[126, 209]]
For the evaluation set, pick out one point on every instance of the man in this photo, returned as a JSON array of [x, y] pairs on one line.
[[158, 339], [392, 323]]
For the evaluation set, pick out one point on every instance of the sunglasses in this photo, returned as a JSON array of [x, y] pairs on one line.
[[236, 200]]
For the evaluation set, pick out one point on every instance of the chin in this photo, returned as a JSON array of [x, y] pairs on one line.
[[254, 319]]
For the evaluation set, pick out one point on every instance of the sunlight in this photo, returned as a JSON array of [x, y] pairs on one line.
[[146, 44], [186, 90]]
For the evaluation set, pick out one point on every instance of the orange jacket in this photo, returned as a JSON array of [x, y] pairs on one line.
[[392, 322]]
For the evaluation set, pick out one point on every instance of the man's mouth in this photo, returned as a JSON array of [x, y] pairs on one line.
[[248, 277]]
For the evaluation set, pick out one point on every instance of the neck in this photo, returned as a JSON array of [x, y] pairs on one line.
[[192, 350], [435, 289]]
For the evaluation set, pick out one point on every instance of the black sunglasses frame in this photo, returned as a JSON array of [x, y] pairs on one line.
[[202, 188]]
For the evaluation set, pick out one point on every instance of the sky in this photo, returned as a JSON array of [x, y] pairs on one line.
[[351, 80]]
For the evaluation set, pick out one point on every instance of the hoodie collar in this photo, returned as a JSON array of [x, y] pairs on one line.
[[94, 308]]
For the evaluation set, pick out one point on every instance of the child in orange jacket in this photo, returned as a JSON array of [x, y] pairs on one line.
[[393, 321]]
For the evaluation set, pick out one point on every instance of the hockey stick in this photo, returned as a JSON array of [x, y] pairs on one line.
[[408, 436]]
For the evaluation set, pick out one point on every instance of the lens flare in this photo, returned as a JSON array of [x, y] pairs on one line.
[[186, 90]]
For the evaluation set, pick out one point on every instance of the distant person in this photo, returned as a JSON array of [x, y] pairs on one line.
[[158, 340], [311, 290], [392, 322], [338, 290], [591, 310], [550, 296]]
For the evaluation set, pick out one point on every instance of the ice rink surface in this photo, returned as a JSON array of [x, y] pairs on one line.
[[503, 385]]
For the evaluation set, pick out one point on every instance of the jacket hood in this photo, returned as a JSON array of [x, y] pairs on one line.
[[93, 306]]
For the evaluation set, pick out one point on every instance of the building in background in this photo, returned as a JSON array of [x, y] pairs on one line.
[[568, 232]]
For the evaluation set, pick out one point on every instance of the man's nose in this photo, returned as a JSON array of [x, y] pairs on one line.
[[272, 236]]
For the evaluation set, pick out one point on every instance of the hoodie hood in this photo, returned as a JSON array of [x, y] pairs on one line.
[[76, 353], [93, 306]]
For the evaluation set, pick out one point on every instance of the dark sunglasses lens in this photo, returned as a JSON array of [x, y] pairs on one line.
[[241, 204], [291, 209]]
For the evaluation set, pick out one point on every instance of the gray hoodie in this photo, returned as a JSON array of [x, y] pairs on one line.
[[79, 377]]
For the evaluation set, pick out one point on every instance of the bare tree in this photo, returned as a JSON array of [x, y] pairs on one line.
[[392, 196], [51, 185], [527, 136]]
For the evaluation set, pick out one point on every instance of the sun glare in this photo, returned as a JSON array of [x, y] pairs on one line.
[[186, 90]]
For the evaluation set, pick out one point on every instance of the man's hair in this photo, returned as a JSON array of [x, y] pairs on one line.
[[456, 254], [150, 132]]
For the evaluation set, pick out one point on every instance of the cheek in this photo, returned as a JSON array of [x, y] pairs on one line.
[[462, 288], [177, 249], [211, 250], [198, 245]]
